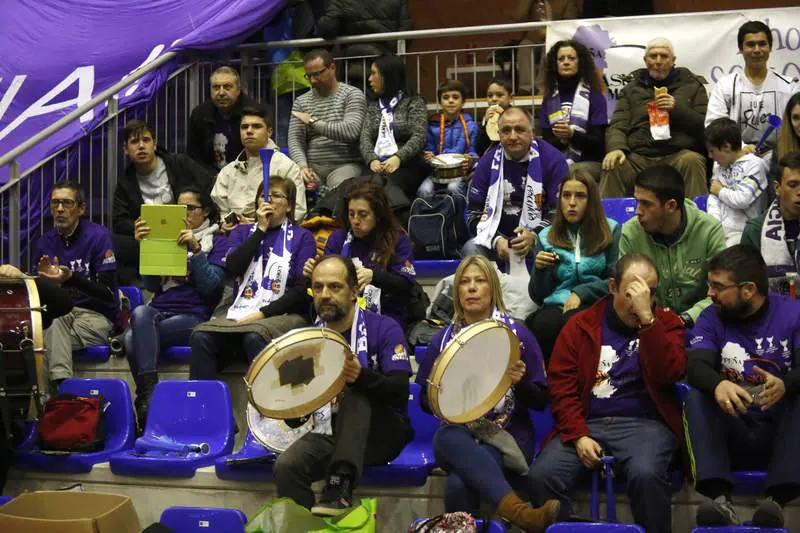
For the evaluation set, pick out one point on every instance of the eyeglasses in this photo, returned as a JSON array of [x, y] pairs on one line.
[[66, 202], [316, 74], [719, 287], [276, 196], [192, 207]]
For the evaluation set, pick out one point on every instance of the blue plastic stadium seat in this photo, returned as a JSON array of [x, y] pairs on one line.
[[203, 520], [573, 527], [253, 471], [620, 209], [739, 529], [120, 428], [495, 526], [412, 466], [435, 268], [420, 353], [102, 353], [701, 202], [5, 499], [183, 414], [177, 353], [543, 423]]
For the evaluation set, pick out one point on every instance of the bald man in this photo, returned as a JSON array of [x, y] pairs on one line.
[[513, 191]]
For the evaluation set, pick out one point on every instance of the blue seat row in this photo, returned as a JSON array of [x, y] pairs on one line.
[[203, 519]]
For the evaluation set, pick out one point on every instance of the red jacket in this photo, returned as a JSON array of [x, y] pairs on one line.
[[576, 356]]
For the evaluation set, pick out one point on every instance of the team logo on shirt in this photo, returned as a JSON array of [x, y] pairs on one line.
[[108, 258], [603, 385], [78, 265], [400, 353]]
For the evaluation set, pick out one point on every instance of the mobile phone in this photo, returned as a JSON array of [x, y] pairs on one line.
[[231, 218]]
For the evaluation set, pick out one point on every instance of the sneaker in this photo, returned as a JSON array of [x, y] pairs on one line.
[[337, 496], [768, 514], [717, 512]]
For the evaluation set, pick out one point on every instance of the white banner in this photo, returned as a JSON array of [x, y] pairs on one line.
[[705, 44]]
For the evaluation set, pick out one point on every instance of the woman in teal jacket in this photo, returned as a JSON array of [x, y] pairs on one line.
[[574, 258]]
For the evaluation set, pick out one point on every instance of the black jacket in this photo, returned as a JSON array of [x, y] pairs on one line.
[[182, 171], [362, 17], [202, 127]]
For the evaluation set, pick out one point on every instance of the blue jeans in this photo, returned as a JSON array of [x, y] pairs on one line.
[[213, 351], [643, 448], [721, 442], [475, 470], [150, 331], [428, 188]]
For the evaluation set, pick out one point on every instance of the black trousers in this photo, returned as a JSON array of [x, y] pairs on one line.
[[546, 324], [364, 434]]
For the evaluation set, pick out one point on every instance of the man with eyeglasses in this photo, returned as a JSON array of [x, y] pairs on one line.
[[237, 183], [743, 411], [152, 176], [213, 135], [325, 128], [674, 233], [78, 255]]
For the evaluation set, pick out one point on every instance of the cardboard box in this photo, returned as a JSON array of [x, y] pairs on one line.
[[69, 512]]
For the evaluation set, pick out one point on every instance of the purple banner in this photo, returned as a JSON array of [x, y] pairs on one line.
[[59, 54]]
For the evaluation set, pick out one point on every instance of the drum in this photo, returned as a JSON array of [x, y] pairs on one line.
[[492, 126], [469, 377], [274, 434], [297, 373], [21, 328], [448, 167]]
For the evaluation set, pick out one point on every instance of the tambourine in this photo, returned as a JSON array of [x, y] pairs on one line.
[[448, 167], [469, 377], [297, 373], [493, 126]]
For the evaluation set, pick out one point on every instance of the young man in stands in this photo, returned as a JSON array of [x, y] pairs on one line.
[[775, 232], [658, 121], [612, 390], [677, 236], [513, 191], [78, 255], [238, 182], [743, 411], [372, 426], [152, 176], [213, 136], [749, 98], [325, 128]]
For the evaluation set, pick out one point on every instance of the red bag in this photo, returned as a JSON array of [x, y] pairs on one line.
[[72, 424]]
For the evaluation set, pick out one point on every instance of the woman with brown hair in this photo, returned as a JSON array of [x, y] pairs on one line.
[[381, 250], [788, 138], [574, 258], [574, 110]]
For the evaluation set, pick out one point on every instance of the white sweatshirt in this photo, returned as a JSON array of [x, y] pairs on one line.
[[742, 197]]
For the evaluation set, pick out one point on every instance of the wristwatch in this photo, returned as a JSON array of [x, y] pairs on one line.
[[688, 323]]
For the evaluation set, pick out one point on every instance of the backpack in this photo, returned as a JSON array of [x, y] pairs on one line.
[[321, 227], [437, 227], [72, 423]]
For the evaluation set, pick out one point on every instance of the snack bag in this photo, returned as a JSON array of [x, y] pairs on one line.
[[659, 118]]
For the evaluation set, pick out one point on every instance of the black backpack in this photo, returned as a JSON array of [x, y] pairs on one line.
[[437, 226]]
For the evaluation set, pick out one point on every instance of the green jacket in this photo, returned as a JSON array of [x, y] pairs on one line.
[[629, 128], [752, 231], [681, 267]]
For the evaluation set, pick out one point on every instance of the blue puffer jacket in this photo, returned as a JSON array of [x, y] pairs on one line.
[[454, 140], [587, 278]]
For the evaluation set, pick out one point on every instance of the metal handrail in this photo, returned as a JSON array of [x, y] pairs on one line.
[[77, 113], [450, 32]]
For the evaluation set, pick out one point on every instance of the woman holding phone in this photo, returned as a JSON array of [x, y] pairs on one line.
[[574, 258], [179, 303]]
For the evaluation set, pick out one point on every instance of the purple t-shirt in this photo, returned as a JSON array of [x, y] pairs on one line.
[[554, 169], [619, 388], [520, 426], [303, 246], [767, 342], [184, 298], [386, 347], [392, 304], [88, 251]]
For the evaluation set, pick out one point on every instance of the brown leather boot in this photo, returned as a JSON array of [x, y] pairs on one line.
[[530, 519]]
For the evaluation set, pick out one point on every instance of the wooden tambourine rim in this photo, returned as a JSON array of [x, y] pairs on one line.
[[36, 316], [282, 342], [447, 355]]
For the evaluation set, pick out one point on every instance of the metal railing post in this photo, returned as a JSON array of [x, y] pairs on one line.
[[14, 215], [112, 146], [246, 74], [194, 86]]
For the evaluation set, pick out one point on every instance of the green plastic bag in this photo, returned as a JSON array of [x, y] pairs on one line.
[[289, 75], [283, 515]]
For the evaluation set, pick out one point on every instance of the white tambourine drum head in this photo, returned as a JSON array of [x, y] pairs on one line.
[[272, 433], [469, 376], [297, 373], [492, 127]]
